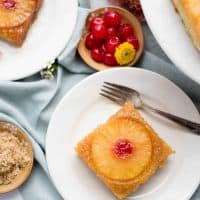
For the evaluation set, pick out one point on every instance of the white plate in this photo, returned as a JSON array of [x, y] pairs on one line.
[[82, 109], [46, 39], [171, 34]]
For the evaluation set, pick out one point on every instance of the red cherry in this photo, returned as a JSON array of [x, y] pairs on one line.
[[111, 31], [91, 42], [123, 148], [9, 4], [125, 30], [134, 41], [112, 18], [96, 21], [103, 47], [98, 54], [112, 43], [99, 31], [110, 59]]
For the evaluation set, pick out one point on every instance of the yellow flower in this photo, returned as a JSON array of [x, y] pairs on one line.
[[125, 53]]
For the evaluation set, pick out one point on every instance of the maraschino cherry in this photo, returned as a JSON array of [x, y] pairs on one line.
[[9, 4], [123, 148]]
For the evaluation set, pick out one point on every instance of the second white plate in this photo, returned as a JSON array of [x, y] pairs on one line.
[[82, 109], [46, 39], [171, 34]]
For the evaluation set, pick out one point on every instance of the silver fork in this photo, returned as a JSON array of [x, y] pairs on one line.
[[120, 94]]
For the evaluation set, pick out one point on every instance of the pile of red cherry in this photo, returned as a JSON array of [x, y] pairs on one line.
[[106, 33]]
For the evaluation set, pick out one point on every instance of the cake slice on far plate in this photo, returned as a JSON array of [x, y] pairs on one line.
[[124, 152], [16, 17], [189, 11]]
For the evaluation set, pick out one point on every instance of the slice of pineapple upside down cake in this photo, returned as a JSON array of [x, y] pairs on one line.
[[16, 17], [124, 152]]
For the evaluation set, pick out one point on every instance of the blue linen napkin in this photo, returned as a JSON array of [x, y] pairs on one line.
[[30, 102]]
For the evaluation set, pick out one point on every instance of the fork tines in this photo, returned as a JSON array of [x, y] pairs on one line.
[[113, 98], [117, 93], [122, 87]]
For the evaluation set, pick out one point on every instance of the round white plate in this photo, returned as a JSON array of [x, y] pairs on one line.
[[82, 109], [171, 34], [46, 39]]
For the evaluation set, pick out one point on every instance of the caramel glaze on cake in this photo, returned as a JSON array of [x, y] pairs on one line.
[[189, 11], [123, 175]]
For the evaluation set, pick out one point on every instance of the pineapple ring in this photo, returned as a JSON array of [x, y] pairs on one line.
[[12, 17], [102, 149]]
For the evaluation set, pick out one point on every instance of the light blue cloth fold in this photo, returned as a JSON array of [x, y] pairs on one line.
[[30, 102]]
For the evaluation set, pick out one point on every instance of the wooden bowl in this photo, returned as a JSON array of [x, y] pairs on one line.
[[19, 180], [127, 17]]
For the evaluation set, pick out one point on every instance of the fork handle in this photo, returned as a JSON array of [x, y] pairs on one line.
[[195, 127]]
